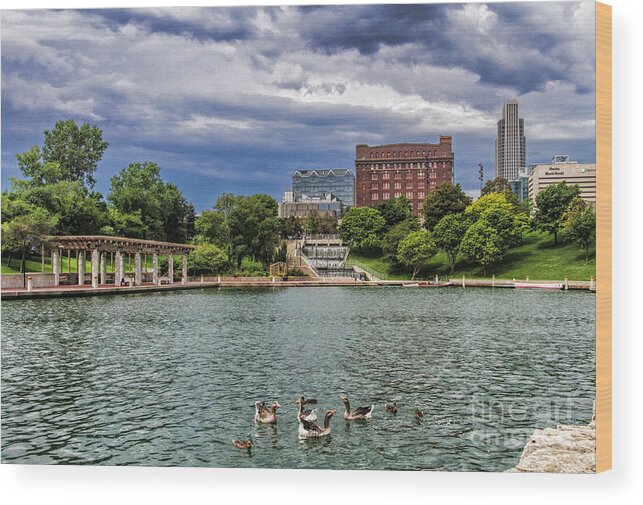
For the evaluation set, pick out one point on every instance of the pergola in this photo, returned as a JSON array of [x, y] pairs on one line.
[[100, 245]]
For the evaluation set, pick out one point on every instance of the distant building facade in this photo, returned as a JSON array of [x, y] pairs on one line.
[[511, 144], [562, 169], [304, 207], [340, 182], [393, 170], [520, 185]]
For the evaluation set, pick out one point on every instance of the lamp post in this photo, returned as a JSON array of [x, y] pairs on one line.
[[480, 176]]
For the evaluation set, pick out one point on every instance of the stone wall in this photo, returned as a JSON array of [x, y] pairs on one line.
[[15, 281]]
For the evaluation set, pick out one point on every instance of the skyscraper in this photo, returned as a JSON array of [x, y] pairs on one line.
[[510, 143]]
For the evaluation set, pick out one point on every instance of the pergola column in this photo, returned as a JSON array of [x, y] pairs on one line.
[[155, 268], [55, 266], [103, 268], [81, 267], [138, 272], [170, 268], [184, 269], [118, 268], [95, 267]]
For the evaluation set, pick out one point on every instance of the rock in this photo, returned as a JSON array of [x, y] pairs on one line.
[[564, 449]]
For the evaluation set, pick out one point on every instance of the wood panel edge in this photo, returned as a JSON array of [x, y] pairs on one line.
[[603, 237]]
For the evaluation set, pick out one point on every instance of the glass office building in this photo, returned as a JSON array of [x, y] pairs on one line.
[[340, 182], [520, 187]]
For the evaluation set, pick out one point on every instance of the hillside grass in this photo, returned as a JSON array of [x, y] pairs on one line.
[[536, 258]]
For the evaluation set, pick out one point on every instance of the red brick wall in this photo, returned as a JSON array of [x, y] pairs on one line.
[[386, 171]]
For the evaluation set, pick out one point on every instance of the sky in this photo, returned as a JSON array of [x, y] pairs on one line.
[[235, 99]]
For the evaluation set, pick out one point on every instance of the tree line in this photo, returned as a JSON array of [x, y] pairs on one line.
[[242, 234], [56, 195], [479, 232]]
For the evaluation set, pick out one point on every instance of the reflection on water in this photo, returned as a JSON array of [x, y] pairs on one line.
[[171, 378]]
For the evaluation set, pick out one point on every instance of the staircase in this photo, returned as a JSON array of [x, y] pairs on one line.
[[294, 259]]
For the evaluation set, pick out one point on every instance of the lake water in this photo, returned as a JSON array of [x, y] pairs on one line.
[[171, 378]]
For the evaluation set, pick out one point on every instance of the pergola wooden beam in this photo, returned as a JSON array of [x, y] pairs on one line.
[[98, 247], [106, 243]]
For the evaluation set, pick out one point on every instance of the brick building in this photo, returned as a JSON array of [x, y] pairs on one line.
[[393, 170]]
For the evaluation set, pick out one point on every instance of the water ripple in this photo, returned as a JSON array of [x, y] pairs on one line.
[[170, 378]]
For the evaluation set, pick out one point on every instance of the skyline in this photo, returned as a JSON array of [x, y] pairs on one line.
[[237, 99]]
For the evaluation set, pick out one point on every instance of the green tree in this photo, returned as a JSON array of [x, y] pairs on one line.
[[125, 225], [551, 204], [482, 244], [207, 259], [579, 224], [391, 240], [448, 235], [69, 153], [312, 223], [254, 228], [164, 211], [395, 210], [291, 227], [328, 224], [225, 203], [447, 199], [361, 227], [415, 250], [26, 231], [504, 214], [77, 211], [499, 185], [211, 227]]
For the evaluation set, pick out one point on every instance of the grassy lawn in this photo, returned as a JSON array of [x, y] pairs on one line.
[[33, 264], [536, 258]]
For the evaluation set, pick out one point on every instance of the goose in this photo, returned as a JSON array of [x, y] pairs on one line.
[[243, 444], [264, 414], [391, 407], [308, 415], [358, 413], [310, 429], [419, 414]]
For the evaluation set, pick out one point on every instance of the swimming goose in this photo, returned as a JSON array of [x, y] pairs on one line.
[[391, 407], [358, 413], [310, 429], [243, 444], [308, 415], [264, 414], [419, 414]]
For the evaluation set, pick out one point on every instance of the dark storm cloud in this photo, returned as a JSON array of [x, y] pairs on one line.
[[235, 99], [230, 24], [515, 52]]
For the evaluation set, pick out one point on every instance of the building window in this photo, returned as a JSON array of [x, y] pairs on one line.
[[432, 175], [409, 175], [421, 173], [398, 185], [374, 177], [386, 196], [421, 194], [409, 185], [374, 196], [420, 205], [397, 194], [386, 175], [386, 185], [409, 195], [398, 175], [375, 186]]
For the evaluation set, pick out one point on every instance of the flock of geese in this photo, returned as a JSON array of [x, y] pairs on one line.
[[308, 428]]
